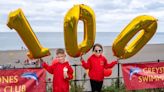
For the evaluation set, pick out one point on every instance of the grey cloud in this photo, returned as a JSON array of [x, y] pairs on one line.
[[110, 14], [155, 6]]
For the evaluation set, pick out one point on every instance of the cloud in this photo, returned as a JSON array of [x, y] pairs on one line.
[[48, 15]]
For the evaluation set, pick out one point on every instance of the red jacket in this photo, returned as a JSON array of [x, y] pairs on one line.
[[96, 66], [59, 83]]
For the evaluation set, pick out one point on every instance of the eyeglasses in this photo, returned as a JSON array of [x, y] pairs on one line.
[[97, 51]]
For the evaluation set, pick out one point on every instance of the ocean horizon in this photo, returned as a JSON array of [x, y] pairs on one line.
[[12, 41]]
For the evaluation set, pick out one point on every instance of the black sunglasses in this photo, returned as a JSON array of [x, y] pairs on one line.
[[97, 51]]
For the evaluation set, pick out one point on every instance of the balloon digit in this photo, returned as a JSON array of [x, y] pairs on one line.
[[18, 21], [146, 24], [86, 14]]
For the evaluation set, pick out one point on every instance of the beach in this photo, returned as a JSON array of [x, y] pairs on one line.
[[149, 53], [40, 24]]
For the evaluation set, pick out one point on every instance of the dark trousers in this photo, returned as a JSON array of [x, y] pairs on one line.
[[96, 85]]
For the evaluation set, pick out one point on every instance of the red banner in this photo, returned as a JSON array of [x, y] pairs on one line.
[[22, 80], [143, 76]]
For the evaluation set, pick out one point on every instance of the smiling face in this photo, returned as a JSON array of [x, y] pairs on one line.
[[97, 51], [61, 57]]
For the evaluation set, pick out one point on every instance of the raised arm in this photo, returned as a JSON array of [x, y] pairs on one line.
[[50, 69], [110, 65], [86, 65]]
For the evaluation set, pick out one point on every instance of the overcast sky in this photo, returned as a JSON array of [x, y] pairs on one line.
[[111, 15]]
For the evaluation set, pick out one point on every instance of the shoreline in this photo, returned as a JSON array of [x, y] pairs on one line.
[[25, 48]]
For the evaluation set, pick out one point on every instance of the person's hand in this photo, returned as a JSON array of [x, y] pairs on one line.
[[81, 58], [41, 61], [117, 60], [65, 70]]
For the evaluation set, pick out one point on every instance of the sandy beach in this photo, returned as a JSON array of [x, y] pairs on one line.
[[150, 52]]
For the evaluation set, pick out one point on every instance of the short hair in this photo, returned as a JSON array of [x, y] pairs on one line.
[[60, 51], [97, 44]]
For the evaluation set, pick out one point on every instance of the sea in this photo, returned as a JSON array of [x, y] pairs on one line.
[[12, 40]]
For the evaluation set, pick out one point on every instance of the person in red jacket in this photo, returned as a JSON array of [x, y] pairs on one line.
[[96, 64], [61, 70]]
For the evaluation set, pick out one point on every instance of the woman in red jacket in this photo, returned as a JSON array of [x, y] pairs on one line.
[[96, 64], [61, 70]]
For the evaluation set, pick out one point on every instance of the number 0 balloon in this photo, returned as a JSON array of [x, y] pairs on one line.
[[86, 14], [144, 24]]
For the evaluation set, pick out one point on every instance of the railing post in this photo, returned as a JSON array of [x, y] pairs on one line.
[[118, 75], [75, 77]]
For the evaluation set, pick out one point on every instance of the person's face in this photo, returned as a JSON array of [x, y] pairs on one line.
[[61, 57], [97, 51]]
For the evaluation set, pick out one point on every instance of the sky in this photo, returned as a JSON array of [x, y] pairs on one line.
[[111, 15]]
